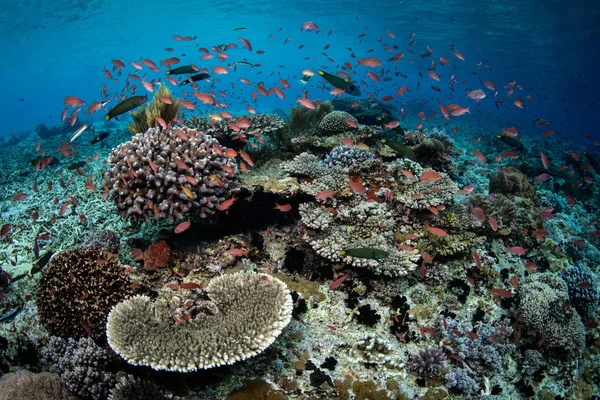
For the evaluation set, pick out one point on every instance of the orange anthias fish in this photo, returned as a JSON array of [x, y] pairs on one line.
[[282, 207], [182, 226]]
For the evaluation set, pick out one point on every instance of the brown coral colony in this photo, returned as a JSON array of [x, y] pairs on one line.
[[169, 173]]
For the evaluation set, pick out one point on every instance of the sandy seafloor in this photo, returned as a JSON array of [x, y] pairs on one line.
[[503, 306]]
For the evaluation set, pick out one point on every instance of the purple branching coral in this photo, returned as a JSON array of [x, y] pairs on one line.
[[169, 173], [428, 362]]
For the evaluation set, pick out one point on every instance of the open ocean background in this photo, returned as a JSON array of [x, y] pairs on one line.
[[52, 49]]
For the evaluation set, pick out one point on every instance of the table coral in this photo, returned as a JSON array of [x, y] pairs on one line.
[[249, 312]]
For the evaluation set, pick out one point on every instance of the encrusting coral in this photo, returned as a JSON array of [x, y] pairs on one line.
[[77, 290], [169, 173], [245, 315], [146, 117]]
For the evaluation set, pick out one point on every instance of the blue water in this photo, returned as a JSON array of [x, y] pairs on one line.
[[52, 49]]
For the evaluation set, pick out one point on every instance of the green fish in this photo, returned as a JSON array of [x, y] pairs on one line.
[[40, 159], [195, 78], [99, 138], [75, 165], [365, 252], [185, 69], [246, 63], [593, 161], [400, 148], [42, 261], [340, 83], [512, 142], [126, 105]]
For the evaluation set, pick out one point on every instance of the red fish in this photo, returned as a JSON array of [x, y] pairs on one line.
[[182, 227], [436, 231], [246, 158], [502, 293], [544, 159], [401, 91], [309, 26], [517, 251], [369, 62], [19, 196], [306, 103], [430, 175], [325, 194], [74, 101], [226, 204], [283, 207]]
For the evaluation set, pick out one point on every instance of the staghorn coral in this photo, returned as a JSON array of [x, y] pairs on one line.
[[582, 285], [25, 385], [303, 120], [145, 117], [511, 181], [78, 289], [249, 311], [367, 224], [169, 173], [428, 361], [335, 122], [85, 368], [542, 303], [345, 157]]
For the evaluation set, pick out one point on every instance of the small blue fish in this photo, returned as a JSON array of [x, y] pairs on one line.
[[21, 99]]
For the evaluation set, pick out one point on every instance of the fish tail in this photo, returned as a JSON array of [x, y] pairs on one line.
[[342, 252]]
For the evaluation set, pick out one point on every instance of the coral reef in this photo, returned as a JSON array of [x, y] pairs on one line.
[[544, 306], [156, 255], [169, 173], [335, 122], [511, 181], [235, 132], [428, 361], [84, 367], [25, 385], [374, 350], [102, 240], [245, 315], [303, 120], [304, 164], [582, 285], [146, 117], [345, 157], [459, 379], [78, 289], [131, 388]]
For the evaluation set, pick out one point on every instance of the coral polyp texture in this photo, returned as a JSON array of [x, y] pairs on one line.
[[169, 173], [25, 385], [78, 289], [250, 125], [248, 312], [337, 122]]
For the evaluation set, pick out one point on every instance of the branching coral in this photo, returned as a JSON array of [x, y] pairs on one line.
[[78, 289], [248, 312], [449, 245], [304, 164], [169, 173], [367, 224], [146, 117], [374, 350], [428, 361], [422, 195], [130, 388], [85, 368], [582, 285], [544, 306], [345, 156]]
